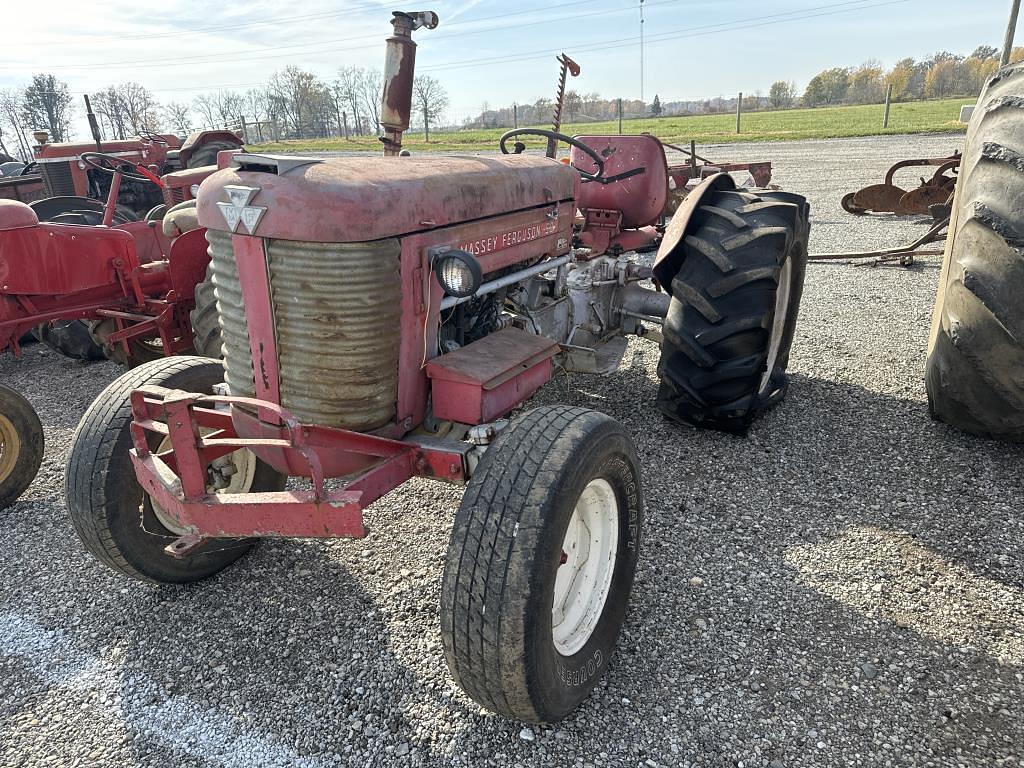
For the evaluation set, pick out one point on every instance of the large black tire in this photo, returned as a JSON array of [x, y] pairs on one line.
[[21, 445], [113, 516], [506, 551], [726, 346], [71, 338], [975, 369], [206, 335], [206, 154]]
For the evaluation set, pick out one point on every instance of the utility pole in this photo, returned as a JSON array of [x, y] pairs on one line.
[[888, 100], [1011, 28], [642, 51], [515, 115], [739, 107]]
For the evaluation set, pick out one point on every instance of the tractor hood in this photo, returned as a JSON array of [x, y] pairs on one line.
[[359, 199]]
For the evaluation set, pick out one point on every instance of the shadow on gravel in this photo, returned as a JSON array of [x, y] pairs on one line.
[[281, 660], [843, 585]]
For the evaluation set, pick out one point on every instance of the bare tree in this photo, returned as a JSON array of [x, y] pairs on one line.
[[257, 104], [46, 103], [109, 105], [178, 116], [140, 108], [348, 91], [298, 95], [230, 106], [205, 105], [372, 90], [10, 112], [429, 99]]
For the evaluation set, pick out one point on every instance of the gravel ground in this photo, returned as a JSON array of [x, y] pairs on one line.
[[843, 587]]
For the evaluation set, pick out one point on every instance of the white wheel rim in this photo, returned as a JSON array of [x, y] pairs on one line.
[[779, 324], [584, 578], [244, 463]]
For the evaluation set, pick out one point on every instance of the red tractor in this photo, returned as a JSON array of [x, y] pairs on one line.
[[73, 185], [383, 319], [134, 290]]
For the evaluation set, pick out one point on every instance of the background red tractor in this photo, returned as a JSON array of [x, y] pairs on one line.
[[76, 189], [128, 290], [382, 318], [72, 185]]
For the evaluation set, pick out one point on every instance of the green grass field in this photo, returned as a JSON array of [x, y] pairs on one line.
[[824, 123]]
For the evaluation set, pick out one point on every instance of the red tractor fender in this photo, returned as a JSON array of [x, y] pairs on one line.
[[197, 138], [670, 252]]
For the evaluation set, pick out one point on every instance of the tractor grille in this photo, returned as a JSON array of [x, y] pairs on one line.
[[173, 195], [231, 313], [57, 179], [337, 309]]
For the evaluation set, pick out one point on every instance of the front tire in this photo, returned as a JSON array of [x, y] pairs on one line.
[[114, 517], [21, 445], [541, 563], [732, 318]]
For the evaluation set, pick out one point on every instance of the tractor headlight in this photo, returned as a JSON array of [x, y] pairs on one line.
[[458, 272]]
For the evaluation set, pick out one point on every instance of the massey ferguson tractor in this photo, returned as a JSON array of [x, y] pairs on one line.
[[387, 318]]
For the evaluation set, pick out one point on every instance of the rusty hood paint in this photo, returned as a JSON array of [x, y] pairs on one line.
[[358, 199]]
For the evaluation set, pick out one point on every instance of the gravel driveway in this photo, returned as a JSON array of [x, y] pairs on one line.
[[844, 587]]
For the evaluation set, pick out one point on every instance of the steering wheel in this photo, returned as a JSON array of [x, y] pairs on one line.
[[150, 136], [29, 168], [588, 151], [116, 165]]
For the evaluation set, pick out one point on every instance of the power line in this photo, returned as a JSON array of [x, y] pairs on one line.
[[666, 36], [306, 44], [225, 27], [307, 47], [829, 9]]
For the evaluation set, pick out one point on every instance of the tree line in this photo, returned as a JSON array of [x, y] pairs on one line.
[[299, 104], [294, 104], [941, 75]]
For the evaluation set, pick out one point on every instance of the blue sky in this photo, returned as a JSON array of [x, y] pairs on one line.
[[694, 49]]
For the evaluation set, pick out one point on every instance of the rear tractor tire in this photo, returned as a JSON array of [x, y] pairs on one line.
[[21, 445], [541, 563], [115, 519], [732, 318], [206, 333], [974, 374], [206, 154]]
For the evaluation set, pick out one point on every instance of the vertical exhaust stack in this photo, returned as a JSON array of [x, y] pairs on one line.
[[94, 127], [399, 70]]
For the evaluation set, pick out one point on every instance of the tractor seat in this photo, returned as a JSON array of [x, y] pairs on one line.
[[180, 219], [641, 197]]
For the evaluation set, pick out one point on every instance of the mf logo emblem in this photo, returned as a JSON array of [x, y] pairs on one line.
[[238, 211]]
